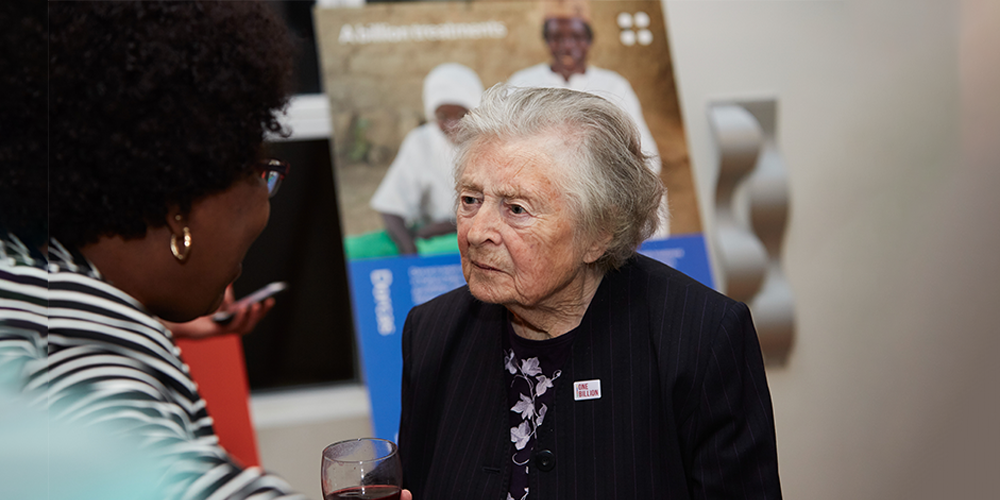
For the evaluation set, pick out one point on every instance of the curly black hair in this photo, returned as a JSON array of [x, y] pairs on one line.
[[23, 132], [155, 105]]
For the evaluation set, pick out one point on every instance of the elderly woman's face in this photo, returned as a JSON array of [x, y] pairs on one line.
[[515, 227]]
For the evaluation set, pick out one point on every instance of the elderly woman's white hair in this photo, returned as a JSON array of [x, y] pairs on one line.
[[612, 193], [451, 83]]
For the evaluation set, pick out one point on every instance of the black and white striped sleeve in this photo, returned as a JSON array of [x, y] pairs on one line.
[[113, 366]]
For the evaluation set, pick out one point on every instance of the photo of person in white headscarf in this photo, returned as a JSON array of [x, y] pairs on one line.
[[416, 198]]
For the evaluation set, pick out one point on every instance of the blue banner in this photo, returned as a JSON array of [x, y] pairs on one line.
[[385, 289]]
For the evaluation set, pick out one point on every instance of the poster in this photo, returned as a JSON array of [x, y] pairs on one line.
[[375, 60]]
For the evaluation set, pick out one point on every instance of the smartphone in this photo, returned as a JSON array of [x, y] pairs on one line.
[[223, 317]]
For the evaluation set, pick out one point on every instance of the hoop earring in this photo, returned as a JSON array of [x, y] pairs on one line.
[[181, 252]]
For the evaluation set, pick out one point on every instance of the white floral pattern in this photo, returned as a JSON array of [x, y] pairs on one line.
[[538, 383]]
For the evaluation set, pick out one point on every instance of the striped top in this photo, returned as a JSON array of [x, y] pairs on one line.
[[23, 312], [112, 364]]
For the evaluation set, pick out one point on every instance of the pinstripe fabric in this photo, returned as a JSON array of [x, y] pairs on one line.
[[685, 412], [111, 364]]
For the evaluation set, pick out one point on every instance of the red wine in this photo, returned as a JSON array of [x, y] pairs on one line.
[[375, 492]]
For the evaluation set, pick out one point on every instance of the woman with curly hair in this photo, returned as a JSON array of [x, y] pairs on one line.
[[157, 117]]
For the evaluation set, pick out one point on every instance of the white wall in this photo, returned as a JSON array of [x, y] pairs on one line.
[[888, 115], [886, 111]]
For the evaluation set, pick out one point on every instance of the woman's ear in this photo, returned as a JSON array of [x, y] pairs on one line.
[[597, 248], [176, 220], [180, 234]]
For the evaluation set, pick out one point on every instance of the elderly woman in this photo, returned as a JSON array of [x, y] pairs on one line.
[[571, 367], [157, 189]]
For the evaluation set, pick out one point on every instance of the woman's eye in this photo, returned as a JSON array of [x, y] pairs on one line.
[[517, 210], [468, 200]]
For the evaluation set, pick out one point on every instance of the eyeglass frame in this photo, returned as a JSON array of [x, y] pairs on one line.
[[271, 167]]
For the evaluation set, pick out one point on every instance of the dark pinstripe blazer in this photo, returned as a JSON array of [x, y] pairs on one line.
[[684, 412]]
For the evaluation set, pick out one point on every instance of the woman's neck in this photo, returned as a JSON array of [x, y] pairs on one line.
[[558, 316]]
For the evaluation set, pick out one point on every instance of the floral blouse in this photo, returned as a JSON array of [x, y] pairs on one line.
[[533, 369]]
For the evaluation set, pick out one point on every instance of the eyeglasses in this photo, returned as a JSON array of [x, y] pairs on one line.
[[273, 172]]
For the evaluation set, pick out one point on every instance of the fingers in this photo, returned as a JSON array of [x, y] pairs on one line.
[[243, 322], [406, 495], [245, 319]]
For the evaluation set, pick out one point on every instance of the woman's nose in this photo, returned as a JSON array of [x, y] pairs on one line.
[[483, 226]]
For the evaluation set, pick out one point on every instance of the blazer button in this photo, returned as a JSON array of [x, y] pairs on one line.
[[545, 460]]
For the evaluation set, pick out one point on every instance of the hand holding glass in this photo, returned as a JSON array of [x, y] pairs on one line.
[[361, 469]]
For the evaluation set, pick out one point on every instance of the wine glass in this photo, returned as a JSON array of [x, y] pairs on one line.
[[361, 469]]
